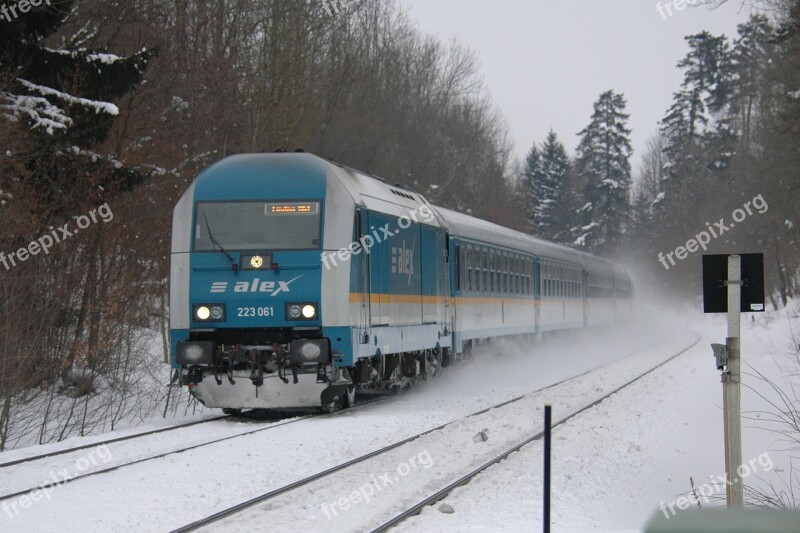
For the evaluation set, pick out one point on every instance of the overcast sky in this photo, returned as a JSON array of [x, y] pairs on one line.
[[546, 61]]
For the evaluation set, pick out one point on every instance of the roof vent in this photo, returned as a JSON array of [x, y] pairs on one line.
[[404, 195]]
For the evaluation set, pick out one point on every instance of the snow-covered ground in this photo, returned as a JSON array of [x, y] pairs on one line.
[[612, 465]]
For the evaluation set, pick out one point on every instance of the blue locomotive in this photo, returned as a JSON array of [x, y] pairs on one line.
[[296, 281]]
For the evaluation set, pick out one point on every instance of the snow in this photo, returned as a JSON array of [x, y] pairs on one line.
[[43, 114], [106, 59], [98, 106], [99, 57], [613, 465]]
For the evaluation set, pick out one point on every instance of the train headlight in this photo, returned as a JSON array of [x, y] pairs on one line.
[[302, 311], [310, 351], [209, 312], [195, 353]]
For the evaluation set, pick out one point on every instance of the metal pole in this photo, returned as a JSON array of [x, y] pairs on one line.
[[546, 513], [731, 383]]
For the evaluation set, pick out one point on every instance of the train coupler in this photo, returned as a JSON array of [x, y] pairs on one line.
[[257, 374], [195, 375]]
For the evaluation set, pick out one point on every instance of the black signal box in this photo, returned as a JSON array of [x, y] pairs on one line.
[[715, 288]]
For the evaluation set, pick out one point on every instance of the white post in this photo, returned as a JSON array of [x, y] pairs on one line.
[[731, 383]]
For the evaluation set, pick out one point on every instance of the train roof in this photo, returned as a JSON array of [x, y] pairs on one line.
[[376, 193]]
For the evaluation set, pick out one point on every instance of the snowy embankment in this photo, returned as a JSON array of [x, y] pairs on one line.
[[186, 486], [615, 465]]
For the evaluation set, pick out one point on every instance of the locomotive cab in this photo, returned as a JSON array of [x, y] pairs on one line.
[[246, 295]]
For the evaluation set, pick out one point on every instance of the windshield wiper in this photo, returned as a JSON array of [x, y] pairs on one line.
[[216, 242]]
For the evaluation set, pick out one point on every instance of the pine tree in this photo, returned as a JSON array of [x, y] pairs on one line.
[[603, 158], [530, 201], [549, 186], [62, 100], [752, 99], [699, 140]]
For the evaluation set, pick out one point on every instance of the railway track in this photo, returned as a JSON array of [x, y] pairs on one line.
[[109, 441], [159, 455], [437, 495], [443, 492]]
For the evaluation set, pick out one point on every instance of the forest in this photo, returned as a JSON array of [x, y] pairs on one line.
[[109, 109]]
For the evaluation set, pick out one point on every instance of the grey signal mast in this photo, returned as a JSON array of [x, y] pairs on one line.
[[732, 284]]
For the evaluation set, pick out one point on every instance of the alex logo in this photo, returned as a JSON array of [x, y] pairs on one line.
[[271, 287], [402, 260]]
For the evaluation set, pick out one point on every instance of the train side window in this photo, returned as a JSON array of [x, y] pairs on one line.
[[526, 271], [470, 271], [495, 272], [543, 280], [516, 275], [546, 279], [485, 271], [491, 271], [467, 268], [529, 271], [502, 281], [478, 270], [487, 282], [512, 274], [508, 275], [498, 272], [559, 277], [459, 268], [504, 267]]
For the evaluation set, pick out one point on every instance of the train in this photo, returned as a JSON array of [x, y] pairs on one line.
[[296, 281]]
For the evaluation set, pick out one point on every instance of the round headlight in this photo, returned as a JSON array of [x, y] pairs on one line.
[[203, 313], [309, 311], [310, 350], [193, 353], [216, 312], [294, 311]]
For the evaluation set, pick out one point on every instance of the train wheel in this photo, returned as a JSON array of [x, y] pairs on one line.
[[433, 363], [349, 398], [333, 406]]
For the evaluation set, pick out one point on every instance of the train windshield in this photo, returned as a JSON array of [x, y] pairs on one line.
[[236, 226]]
